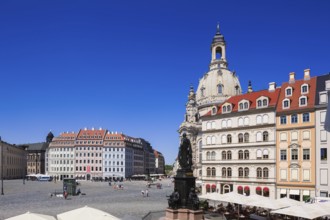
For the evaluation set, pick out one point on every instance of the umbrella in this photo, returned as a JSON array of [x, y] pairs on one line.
[[285, 202], [86, 213], [309, 211], [32, 216]]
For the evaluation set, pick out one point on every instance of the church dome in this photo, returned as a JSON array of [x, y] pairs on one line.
[[218, 83]]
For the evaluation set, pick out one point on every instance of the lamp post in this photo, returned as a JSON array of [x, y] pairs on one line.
[[1, 166]]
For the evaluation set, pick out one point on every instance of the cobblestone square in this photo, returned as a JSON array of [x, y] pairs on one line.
[[35, 197]]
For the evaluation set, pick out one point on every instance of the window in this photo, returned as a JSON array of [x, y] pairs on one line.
[[224, 172], [246, 105], [213, 171], [265, 154], [224, 139], [213, 154], [208, 155], [240, 138], [265, 136], [259, 119], [202, 92], [240, 172], [246, 172], [305, 117], [259, 154], [214, 110], [294, 154], [265, 102], [229, 139], [283, 154], [294, 119], [220, 88], [324, 154], [246, 121], [306, 154], [304, 89], [213, 139], [259, 136], [259, 173], [228, 172], [288, 92], [240, 122], [224, 109], [265, 119], [228, 108], [241, 106], [246, 154], [265, 171], [259, 103], [303, 101], [224, 124], [208, 171], [240, 155], [223, 155], [246, 137], [229, 155], [286, 103], [283, 119]]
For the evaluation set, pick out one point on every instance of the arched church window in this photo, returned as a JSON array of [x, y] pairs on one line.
[[220, 89]]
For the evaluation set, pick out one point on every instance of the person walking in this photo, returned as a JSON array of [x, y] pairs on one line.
[[142, 193], [147, 193]]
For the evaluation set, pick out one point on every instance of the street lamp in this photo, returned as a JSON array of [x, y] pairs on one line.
[[1, 166]]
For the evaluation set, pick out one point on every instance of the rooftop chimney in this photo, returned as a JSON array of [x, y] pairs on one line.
[[292, 79], [272, 87], [307, 74]]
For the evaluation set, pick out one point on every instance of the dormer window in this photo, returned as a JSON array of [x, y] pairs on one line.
[[214, 110], [242, 106], [226, 108], [304, 88], [220, 89], [286, 103], [303, 101], [288, 91], [262, 102]]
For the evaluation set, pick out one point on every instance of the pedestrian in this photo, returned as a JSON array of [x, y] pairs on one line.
[[142, 193], [147, 193]]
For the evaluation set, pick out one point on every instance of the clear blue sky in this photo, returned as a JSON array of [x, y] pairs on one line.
[[127, 65]]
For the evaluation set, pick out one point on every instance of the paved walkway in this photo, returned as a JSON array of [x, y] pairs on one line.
[[34, 196]]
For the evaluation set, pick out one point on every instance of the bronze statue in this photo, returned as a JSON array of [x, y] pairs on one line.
[[193, 201], [185, 153], [173, 201]]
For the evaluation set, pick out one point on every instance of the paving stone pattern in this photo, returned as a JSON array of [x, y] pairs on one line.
[[35, 197]]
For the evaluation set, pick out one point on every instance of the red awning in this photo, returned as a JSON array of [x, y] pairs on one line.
[[214, 186], [258, 188], [207, 185], [246, 188], [239, 188], [266, 189]]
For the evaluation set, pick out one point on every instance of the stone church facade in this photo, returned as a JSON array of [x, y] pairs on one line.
[[215, 86]]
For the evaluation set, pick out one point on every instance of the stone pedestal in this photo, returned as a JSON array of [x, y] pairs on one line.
[[183, 214], [183, 182]]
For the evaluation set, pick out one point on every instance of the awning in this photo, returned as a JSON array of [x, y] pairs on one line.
[[294, 191], [266, 189], [246, 188], [239, 188], [258, 188], [283, 191], [207, 186], [214, 186], [306, 193]]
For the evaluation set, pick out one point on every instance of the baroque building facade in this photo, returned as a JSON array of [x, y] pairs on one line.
[[239, 144], [214, 87], [271, 142], [296, 138]]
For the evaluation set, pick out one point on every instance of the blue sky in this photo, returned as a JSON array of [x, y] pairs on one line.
[[127, 65]]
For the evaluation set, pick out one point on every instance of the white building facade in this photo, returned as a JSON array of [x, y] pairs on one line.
[[239, 147]]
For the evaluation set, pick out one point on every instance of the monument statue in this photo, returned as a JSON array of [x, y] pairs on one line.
[[173, 201], [185, 153], [193, 200]]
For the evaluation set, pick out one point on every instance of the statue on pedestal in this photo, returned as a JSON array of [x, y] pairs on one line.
[[173, 201], [185, 153], [193, 200]]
